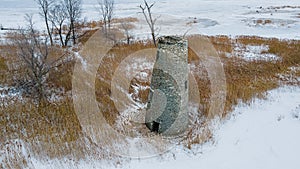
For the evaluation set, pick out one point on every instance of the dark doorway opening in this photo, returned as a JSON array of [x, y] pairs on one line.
[[155, 126]]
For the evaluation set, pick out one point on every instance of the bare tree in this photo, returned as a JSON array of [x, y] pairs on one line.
[[73, 9], [36, 59], [106, 10], [58, 16], [45, 6], [127, 27], [146, 10]]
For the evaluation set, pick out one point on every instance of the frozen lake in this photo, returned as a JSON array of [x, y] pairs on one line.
[[275, 18]]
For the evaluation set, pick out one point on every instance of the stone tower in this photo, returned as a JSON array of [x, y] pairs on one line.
[[168, 98]]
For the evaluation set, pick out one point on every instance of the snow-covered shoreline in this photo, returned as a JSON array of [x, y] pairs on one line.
[[277, 18]]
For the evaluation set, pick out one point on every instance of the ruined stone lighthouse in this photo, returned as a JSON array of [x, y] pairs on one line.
[[168, 98]]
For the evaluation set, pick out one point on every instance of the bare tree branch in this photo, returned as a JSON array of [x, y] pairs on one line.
[[73, 8], [58, 16], [106, 9], [45, 6], [146, 10]]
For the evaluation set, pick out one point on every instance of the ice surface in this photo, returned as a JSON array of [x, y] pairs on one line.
[[176, 17]]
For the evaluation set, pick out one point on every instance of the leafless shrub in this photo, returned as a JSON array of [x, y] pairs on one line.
[[36, 58]]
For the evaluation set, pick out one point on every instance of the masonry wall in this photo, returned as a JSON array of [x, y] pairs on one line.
[[168, 98]]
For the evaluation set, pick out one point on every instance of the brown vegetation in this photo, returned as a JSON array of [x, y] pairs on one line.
[[246, 80], [263, 21], [3, 69], [57, 124]]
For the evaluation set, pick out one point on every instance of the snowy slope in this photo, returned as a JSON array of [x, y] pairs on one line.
[[264, 135]]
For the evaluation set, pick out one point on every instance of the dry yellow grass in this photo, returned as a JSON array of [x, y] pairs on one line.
[[105, 74], [62, 77], [249, 79], [6, 52], [124, 20], [2, 63], [57, 124], [85, 37], [49, 123], [222, 43], [3, 69], [246, 80]]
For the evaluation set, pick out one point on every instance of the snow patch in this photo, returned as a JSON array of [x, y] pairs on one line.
[[81, 59], [8, 95], [254, 53]]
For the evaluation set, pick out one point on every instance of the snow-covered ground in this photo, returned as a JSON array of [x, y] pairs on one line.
[[210, 17], [262, 135], [8, 95], [253, 52]]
